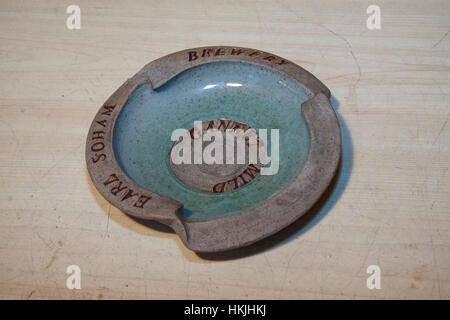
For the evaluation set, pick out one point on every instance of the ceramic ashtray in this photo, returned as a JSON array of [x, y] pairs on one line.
[[225, 145]]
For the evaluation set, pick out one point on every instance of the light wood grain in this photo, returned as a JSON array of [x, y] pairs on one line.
[[390, 205]]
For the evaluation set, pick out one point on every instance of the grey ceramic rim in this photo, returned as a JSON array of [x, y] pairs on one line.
[[233, 231]]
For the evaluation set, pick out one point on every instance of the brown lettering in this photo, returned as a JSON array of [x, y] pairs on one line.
[[112, 178], [100, 146], [236, 52], [223, 124], [252, 170], [220, 187], [129, 194], [101, 156], [141, 201], [109, 110], [219, 52], [115, 190], [98, 135], [269, 58], [236, 183], [102, 123], [192, 55], [206, 52]]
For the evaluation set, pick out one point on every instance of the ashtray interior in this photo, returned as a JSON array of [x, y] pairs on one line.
[[251, 94]]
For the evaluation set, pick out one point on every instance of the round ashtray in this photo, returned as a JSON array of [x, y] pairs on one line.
[[225, 145]]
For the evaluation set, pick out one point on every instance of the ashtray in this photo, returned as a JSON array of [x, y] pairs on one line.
[[224, 145]]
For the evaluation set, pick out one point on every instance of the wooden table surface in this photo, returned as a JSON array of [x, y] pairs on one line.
[[390, 205]]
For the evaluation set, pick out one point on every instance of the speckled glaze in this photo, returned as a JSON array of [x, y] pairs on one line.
[[248, 93]]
